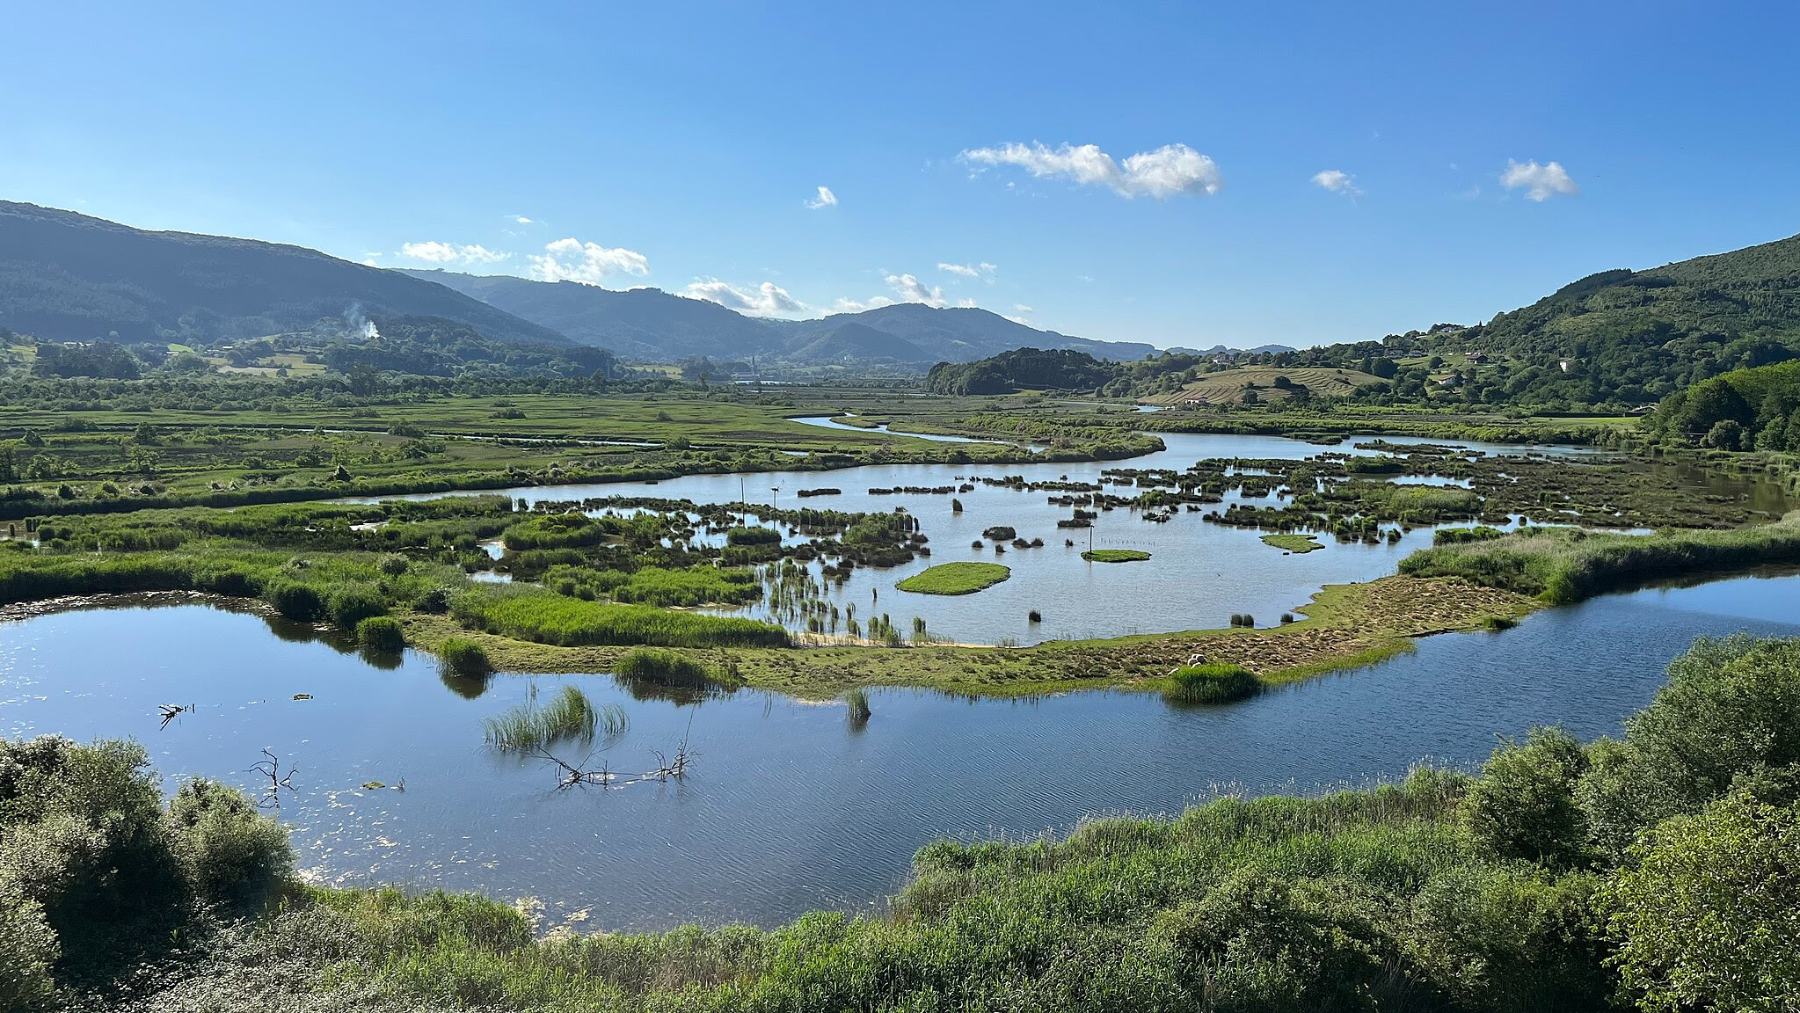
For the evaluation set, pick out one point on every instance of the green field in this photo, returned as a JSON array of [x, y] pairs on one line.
[[1293, 543], [955, 578]]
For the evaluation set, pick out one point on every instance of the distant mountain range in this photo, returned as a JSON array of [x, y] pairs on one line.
[[651, 325], [66, 276], [1227, 350], [70, 277]]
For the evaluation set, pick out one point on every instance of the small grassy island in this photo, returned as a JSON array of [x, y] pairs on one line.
[[1115, 555], [955, 578], [1293, 543]]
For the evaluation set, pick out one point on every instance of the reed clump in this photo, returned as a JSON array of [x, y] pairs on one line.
[[671, 669], [1211, 683], [464, 657], [383, 633], [569, 717]]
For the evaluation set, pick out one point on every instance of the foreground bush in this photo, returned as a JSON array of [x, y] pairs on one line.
[[30, 951], [1708, 917], [230, 853], [94, 873]]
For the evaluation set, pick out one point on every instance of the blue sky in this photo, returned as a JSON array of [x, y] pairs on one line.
[[679, 145]]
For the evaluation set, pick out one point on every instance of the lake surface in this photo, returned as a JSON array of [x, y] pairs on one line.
[[1199, 573], [787, 807]]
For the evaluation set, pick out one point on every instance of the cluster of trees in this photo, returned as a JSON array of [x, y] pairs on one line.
[[1747, 409], [103, 359], [1023, 368]]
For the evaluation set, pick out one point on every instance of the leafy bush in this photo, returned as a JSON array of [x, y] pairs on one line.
[[1705, 915], [1730, 710], [1523, 804], [31, 951], [229, 852]]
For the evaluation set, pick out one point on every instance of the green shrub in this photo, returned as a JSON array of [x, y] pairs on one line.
[[82, 833], [229, 852], [1523, 804], [1704, 917], [393, 564], [383, 633], [30, 951], [1211, 683], [464, 657], [352, 604], [1730, 709]]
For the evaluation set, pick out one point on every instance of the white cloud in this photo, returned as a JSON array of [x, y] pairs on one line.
[[521, 220], [984, 270], [434, 252], [573, 260], [858, 305], [825, 199], [1337, 181], [1540, 182], [1168, 171], [911, 289], [906, 288], [766, 300]]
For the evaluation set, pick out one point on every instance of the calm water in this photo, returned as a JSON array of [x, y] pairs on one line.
[[787, 808], [1199, 574]]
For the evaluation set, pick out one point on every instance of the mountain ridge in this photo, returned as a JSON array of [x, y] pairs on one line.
[[69, 276], [696, 327]]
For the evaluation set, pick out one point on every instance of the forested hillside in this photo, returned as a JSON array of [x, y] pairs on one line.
[[1633, 337], [1025, 368], [69, 277], [1746, 409]]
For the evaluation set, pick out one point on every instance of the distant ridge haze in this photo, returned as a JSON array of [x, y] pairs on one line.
[[650, 324]]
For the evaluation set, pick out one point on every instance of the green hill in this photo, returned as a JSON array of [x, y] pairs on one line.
[[1034, 368], [69, 277], [1636, 336]]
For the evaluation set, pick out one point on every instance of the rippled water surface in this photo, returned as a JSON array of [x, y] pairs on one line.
[[787, 807]]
